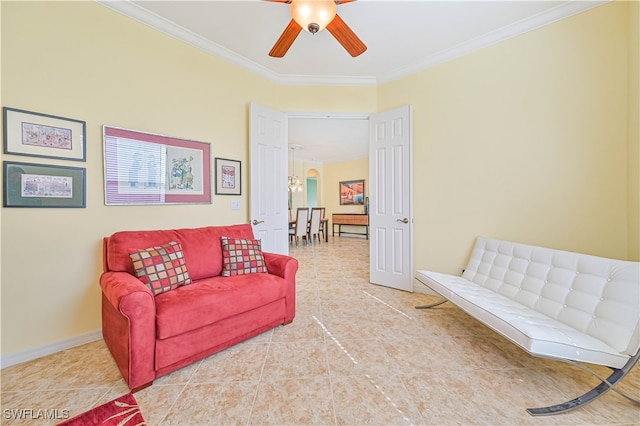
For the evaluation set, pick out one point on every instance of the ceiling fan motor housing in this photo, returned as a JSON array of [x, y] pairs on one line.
[[313, 15]]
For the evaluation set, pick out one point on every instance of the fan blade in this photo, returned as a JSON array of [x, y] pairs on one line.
[[346, 37], [286, 39]]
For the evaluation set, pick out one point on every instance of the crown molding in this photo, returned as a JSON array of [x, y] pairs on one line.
[[562, 11], [137, 13], [558, 13], [326, 80]]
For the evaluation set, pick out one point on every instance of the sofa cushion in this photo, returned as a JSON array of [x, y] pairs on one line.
[[242, 256], [201, 247], [160, 268], [210, 300]]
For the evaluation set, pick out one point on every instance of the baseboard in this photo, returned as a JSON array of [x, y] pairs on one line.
[[49, 348]]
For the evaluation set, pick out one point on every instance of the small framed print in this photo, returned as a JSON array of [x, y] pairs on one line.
[[228, 177], [41, 135], [42, 185]]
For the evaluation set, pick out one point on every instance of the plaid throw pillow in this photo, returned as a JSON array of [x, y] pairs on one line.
[[241, 257], [161, 268]]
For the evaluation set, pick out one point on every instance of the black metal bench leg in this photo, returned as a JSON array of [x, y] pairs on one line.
[[606, 385], [432, 305]]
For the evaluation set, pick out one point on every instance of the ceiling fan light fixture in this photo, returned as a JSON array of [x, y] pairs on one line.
[[313, 15]]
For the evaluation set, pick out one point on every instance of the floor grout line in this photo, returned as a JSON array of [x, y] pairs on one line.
[[260, 378], [436, 367]]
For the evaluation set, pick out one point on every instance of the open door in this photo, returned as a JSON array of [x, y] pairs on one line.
[[391, 206], [268, 210]]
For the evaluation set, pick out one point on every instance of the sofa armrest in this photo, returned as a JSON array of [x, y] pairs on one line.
[[285, 267], [280, 264], [116, 286], [128, 326]]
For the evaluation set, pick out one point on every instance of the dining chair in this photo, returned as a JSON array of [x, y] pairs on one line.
[[323, 221], [300, 227], [291, 221], [314, 224]]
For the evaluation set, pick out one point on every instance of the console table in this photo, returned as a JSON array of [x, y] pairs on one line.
[[350, 219]]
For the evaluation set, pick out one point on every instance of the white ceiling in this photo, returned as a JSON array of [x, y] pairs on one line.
[[329, 140], [403, 37]]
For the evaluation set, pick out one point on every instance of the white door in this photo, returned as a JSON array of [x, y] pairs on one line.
[[268, 209], [390, 191]]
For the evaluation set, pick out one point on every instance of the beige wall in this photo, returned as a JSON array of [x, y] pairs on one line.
[[332, 175], [633, 114], [531, 140], [1, 209], [525, 140], [324, 99], [336, 172], [84, 61]]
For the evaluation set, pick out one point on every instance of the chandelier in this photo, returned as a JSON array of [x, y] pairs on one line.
[[294, 183]]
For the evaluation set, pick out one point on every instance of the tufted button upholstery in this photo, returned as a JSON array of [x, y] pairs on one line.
[[552, 303]]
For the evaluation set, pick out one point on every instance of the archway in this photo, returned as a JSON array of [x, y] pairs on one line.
[[313, 188]]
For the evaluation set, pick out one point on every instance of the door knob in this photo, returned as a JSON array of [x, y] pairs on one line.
[[405, 220], [257, 222]]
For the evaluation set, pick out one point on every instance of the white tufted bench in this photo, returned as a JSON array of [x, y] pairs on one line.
[[554, 304]]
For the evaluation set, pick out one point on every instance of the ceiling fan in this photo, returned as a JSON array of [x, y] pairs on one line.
[[313, 16]]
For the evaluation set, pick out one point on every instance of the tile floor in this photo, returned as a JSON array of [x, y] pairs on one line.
[[355, 354]]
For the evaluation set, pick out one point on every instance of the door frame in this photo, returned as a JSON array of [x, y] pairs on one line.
[[356, 116]]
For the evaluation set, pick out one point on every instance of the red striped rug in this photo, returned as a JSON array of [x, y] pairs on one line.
[[123, 411]]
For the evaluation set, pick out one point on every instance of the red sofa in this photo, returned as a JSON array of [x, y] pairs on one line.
[[152, 335]]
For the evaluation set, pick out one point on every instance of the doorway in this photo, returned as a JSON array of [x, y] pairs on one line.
[[326, 140], [339, 150], [314, 198], [312, 192]]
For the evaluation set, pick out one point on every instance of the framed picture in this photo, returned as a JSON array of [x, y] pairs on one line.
[[145, 168], [41, 185], [352, 192], [42, 135], [228, 179]]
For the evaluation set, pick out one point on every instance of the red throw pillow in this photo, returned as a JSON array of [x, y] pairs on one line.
[[241, 257], [161, 268]]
